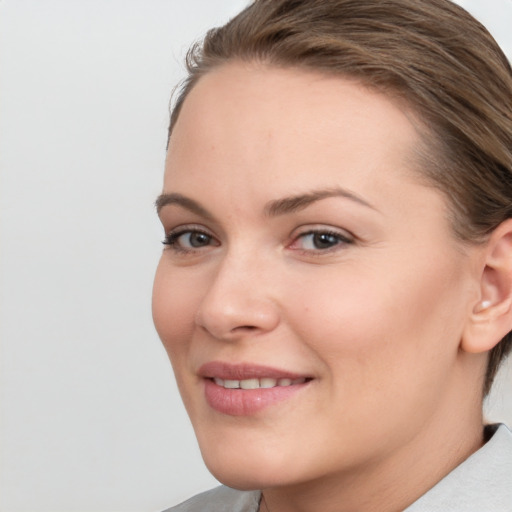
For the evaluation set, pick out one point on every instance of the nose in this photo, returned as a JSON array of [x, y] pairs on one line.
[[240, 301]]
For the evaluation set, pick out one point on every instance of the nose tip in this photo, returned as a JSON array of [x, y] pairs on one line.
[[233, 309], [228, 321]]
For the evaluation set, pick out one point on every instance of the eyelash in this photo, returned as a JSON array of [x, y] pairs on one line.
[[172, 240], [340, 240]]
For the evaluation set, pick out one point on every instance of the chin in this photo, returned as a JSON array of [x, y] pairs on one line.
[[249, 477], [246, 471]]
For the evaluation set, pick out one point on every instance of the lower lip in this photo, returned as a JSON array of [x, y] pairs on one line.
[[246, 402]]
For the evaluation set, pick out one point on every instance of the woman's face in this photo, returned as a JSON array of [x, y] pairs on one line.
[[306, 260]]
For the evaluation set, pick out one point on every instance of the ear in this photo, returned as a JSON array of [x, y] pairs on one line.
[[491, 318]]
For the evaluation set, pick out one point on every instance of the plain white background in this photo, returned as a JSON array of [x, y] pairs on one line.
[[91, 420]]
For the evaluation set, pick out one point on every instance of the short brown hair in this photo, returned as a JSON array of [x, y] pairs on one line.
[[430, 53]]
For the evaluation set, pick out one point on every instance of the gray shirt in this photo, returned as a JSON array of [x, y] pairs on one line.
[[482, 483]]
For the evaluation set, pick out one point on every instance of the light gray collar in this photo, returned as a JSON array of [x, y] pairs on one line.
[[483, 482]]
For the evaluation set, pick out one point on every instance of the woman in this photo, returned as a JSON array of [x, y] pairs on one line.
[[336, 286]]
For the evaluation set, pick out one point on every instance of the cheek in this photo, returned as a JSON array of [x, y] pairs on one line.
[[384, 346], [382, 327], [174, 304]]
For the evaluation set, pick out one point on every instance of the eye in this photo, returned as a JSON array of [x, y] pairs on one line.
[[320, 240], [189, 239]]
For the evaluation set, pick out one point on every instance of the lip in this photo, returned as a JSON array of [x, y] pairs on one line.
[[246, 402], [243, 371]]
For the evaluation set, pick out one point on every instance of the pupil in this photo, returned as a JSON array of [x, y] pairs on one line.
[[199, 239], [324, 240]]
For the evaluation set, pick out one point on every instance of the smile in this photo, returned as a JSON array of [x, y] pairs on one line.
[[264, 383], [247, 389]]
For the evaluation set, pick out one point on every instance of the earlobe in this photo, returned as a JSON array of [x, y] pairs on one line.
[[491, 318]]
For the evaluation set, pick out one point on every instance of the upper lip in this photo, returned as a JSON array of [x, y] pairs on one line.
[[242, 371]]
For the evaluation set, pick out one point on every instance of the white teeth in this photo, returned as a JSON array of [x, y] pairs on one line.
[[250, 384], [263, 383], [267, 382]]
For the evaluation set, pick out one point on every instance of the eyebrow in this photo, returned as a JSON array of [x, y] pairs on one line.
[[273, 208], [300, 202], [183, 201]]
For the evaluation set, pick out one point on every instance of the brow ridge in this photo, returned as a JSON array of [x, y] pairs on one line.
[[299, 202], [183, 201], [273, 208]]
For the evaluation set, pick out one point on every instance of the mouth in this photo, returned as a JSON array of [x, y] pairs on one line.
[[244, 389], [263, 383]]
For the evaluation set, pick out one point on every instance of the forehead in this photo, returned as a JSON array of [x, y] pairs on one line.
[[271, 91], [253, 121]]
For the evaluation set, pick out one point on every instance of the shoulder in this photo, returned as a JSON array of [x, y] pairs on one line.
[[220, 499]]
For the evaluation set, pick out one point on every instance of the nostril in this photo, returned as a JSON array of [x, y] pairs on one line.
[[244, 328]]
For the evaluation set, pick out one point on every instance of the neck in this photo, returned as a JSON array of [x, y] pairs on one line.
[[398, 479], [380, 488]]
